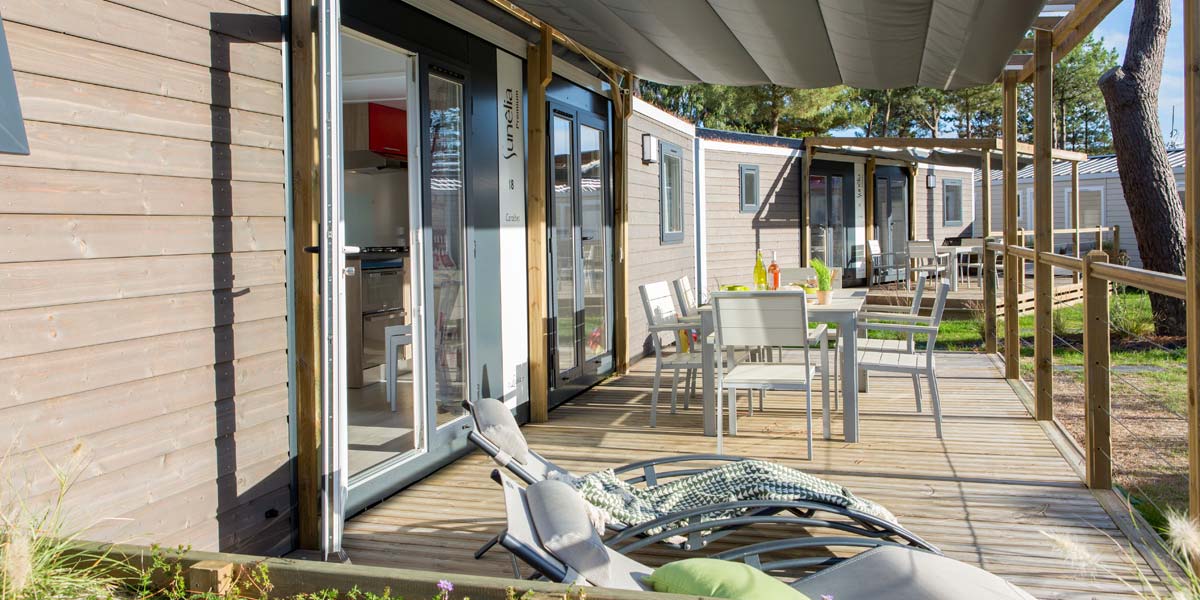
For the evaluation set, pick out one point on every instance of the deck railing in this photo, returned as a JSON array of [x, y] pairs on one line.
[[1097, 275]]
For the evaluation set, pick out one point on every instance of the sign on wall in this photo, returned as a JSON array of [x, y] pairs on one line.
[[514, 329], [858, 235]]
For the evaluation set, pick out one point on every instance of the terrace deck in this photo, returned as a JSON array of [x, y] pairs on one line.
[[985, 494]]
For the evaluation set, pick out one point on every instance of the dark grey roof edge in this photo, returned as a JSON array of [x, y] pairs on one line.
[[749, 138]]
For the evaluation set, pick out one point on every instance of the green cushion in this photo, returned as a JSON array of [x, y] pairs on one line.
[[719, 579]]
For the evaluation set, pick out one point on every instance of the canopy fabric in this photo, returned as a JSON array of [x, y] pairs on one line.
[[877, 44]]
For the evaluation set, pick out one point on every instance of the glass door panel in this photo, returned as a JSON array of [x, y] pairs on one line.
[[562, 216], [898, 215], [594, 240], [818, 216], [835, 235], [447, 227]]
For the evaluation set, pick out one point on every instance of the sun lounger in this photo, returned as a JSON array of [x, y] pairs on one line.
[[821, 505], [548, 529]]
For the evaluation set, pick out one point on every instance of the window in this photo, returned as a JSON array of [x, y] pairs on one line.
[[670, 193], [748, 176], [952, 202]]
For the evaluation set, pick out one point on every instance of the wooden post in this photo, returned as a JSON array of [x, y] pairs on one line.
[[622, 97], [1191, 36], [1096, 376], [1043, 227], [210, 577], [1116, 244], [870, 215], [306, 224], [1075, 213], [912, 199], [806, 199], [1012, 331], [537, 78], [988, 257]]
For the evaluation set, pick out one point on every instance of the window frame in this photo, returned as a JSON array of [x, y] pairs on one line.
[[666, 236], [946, 220], [1085, 188], [744, 207]]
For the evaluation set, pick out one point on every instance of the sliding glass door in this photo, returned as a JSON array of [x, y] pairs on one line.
[[580, 248]]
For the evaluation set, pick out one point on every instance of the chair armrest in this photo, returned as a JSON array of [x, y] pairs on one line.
[[885, 308], [902, 317], [815, 333], [670, 327], [926, 329]]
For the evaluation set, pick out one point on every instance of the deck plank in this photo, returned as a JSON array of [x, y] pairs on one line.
[[985, 494]]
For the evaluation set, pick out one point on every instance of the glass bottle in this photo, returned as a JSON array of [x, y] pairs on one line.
[[773, 271], [760, 272]]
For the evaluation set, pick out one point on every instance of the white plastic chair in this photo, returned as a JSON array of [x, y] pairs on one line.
[[926, 259], [882, 262], [913, 363], [661, 318], [685, 298], [765, 319]]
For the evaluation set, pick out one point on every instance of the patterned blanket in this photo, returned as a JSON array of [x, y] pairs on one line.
[[623, 503]]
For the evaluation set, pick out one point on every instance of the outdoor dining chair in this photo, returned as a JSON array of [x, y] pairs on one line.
[[915, 364], [925, 258], [547, 528], [709, 518], [685, 297], [661, 318], [766, 320], [883, 263]]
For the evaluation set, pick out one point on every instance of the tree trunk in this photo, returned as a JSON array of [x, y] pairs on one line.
[[1131, 98]]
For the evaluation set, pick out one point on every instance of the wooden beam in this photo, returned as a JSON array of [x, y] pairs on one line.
[[306, 222], [869, 218], [538, 76], [1012, 339], [1075, 214], [1096, 348], [1191, 50], [622, 97], [1074, 29], [912, 199], [989, 259], [556, 35], [1043, 224]]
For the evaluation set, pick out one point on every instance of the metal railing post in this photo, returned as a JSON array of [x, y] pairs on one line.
[[1096, 348]]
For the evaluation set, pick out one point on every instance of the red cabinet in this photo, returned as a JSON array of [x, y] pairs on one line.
[[388, 130]]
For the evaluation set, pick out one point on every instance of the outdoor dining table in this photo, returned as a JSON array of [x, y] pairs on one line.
[[954, 252], [843, 309]]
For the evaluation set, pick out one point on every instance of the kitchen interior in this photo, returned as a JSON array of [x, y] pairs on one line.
[[384, 422]]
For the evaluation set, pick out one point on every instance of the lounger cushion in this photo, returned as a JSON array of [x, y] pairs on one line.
[[899, 573], [566, 532], [495, 422], [720, 579]]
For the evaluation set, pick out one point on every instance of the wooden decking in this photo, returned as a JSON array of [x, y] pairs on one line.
[[985, 494]]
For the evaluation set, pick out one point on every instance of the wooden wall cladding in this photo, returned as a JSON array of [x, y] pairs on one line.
[[143, 311]]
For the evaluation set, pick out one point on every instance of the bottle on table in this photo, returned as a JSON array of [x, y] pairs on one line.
[[760, 272], [773, 272]]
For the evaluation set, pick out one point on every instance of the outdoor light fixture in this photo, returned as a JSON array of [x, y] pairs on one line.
[[931, 181], [649, 148]]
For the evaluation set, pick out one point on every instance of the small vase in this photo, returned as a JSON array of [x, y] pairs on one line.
[[823, 296]]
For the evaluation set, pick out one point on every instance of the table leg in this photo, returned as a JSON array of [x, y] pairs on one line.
[[849, 342], [954, 271], [707, 373]]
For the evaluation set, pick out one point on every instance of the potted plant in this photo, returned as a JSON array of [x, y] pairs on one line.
[[824, 281]]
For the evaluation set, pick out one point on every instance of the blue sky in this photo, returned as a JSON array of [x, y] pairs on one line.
[[1115, 31]]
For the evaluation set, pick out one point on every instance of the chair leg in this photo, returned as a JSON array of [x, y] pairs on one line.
[[732, 411], [808, 417], [824, 387], [689, 383], [937, 402], [654, 395], [762, 394], [674, 388], [917, 390]]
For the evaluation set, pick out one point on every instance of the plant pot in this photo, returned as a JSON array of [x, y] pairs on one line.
[[823, 296]]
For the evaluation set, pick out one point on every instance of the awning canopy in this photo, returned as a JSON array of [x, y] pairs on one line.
[[875, 44]]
